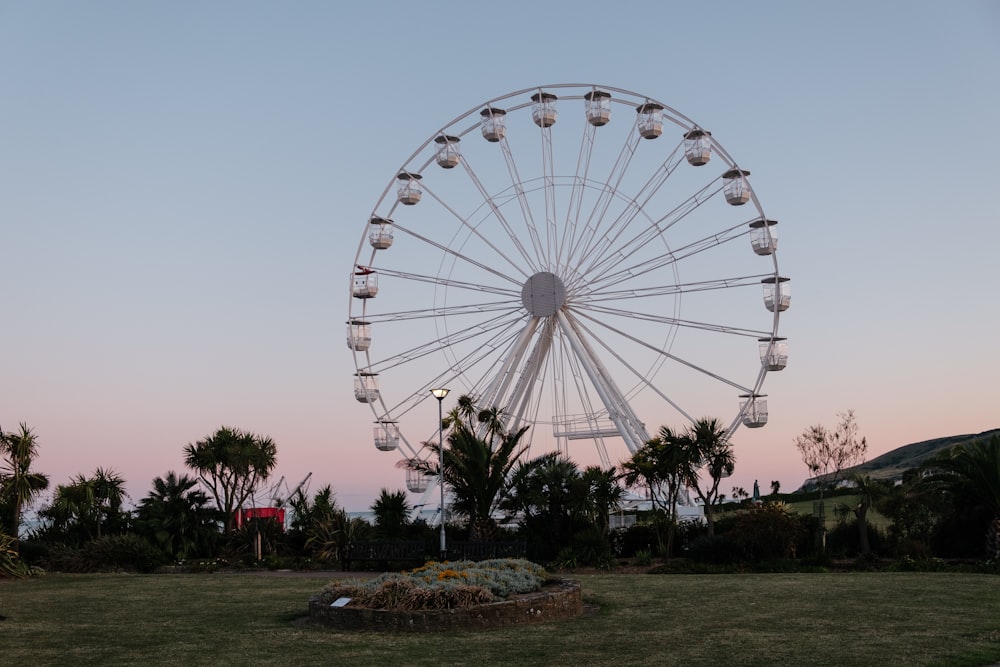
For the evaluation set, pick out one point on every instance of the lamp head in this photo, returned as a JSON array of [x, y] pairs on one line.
[[439, 394]]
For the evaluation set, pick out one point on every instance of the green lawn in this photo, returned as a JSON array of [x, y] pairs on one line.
[[635, 619]]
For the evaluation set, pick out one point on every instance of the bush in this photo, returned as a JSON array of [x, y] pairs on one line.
[[715, 550], [765, 532], [637, 537], [106, 554]]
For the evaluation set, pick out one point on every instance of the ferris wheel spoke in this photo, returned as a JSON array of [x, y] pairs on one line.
[[588, 423], [669, 290], [675, 256], [475, 231], [490, 327], [443, 311], [674, 321], [450, 283], [522, 199], [611, 255], [665, 354], [501, 219]]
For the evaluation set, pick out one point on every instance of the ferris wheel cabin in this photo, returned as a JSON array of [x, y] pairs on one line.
[[448, 155], [386, 436], [698, 146], [366, 387], [409, 190], [754, 410], [416, 480], [380, 234], [763, 236], [736, 187], [492, 124], [773, 353], [359, 335], [543, 109], [777, 294], [365, 283], [650, 120], [598, 107]]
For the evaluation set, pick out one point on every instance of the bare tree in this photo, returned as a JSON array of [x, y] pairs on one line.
[[827, 453]]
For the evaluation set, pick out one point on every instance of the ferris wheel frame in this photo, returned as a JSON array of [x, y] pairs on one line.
[[549, 270]]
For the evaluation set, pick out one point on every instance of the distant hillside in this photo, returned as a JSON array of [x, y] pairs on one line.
[[893, 464]]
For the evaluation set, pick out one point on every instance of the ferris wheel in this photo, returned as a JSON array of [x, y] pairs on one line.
[[586, 258]]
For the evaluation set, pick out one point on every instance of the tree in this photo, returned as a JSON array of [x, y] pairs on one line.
[[972, 471], [231, 464], [710, 450], [828, 453], [664, 464], [88, 507], [19, 484], [392, 514], [478, 460], [775, 487], [603, 495], [871, 492], [176, 516]]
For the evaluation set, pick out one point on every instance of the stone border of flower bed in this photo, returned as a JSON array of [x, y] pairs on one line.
[[558, 599]]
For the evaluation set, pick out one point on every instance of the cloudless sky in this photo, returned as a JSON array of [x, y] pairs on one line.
[[183, 187]]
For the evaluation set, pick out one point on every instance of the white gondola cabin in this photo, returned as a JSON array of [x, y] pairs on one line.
[[492, 124], [366, 387], [380, 233], [386, 436], [763, 236], [598, 107], [754, 409], [773, 353], [447, 155], [777, 294], [650, 120], [365, 283], [409, 190], [359, 335], [543, 109], [698, 146], [417, 481], [736, 187]]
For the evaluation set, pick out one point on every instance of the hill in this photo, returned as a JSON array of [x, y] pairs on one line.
[[893, 464]]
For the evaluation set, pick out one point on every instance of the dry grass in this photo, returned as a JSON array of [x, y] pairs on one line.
[[777, 619]]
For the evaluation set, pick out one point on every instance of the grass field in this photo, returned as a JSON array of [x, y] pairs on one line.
[[632, 619]]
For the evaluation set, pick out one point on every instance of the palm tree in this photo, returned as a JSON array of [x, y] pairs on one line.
[[665, 464], [478, 460], [89, 504], [19, 485], [231, 464], [392, 513], [604, 495], [176, 516], [709, 450], [973, 471]]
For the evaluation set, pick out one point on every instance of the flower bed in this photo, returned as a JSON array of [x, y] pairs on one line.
[[443, 596]]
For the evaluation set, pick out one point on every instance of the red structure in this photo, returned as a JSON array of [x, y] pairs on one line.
[[272, 513]]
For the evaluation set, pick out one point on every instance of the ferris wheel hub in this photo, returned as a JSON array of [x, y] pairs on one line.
[[543, 294]]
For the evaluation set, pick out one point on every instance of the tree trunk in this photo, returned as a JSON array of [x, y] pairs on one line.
[[861, 512], [993, 541]]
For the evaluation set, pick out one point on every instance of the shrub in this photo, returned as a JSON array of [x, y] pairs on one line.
[[716, 550], [764, 532]]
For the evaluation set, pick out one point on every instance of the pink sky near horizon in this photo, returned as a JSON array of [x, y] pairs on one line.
[[178, 222]]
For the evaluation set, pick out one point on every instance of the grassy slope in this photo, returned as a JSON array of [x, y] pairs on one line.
[[816, 619]]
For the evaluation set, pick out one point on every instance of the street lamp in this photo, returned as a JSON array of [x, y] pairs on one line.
[[439, 394]]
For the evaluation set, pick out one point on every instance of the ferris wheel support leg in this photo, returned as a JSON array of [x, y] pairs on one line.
[[631, 429]]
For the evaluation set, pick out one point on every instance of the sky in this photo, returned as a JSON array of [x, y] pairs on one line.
[[183, 187]]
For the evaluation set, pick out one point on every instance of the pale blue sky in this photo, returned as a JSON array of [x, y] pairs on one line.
[[183, 187]]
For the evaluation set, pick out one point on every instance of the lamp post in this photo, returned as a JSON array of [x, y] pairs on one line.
[[439, 394]]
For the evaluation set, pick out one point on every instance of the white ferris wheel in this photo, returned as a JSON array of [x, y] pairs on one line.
[[586, 258]]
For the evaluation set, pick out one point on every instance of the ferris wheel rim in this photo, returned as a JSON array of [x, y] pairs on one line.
[[414, 166]]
